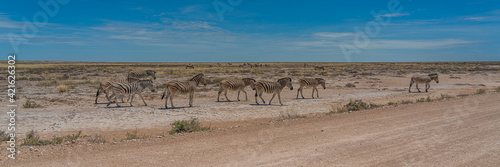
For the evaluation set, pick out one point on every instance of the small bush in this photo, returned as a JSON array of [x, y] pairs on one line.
[[97, 138], [4, 136], [73, 136], [498, 89], [421, 100], [374, 105], [186, 126], [480, 91], [64, 88], [428, 99], [57, 140], [350, 85], [391, 103], [445, 96], [30, 104], [133, 135], [32, 139], [355, 105]]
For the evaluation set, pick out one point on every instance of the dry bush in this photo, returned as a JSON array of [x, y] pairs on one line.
[[350, 85], [64, 88]]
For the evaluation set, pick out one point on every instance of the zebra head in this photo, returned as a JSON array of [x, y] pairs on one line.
[[151, 73], [434, 76], [321, 81], [249, 81], [199, 78], [147, 84], [286, 82]]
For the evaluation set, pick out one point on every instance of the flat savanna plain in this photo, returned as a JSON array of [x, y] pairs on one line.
[[63, 93]]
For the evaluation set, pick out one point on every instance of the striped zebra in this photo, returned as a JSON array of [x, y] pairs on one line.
[[174, 87], [423, 79], [310, 82], [142, 74], [121, 89], [104, 87], [235, 85], [271, 87], [190, 66]]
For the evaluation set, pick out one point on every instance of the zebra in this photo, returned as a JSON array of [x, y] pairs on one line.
[[235, 85], [189, 66], [271, 87], [319, 68], [142, 74], [310, 82], [423, 79], [105, 84], [120, 89], [174, 87]]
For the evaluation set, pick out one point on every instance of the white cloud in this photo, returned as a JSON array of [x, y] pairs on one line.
[[395, 15], [190, 9], [331, 34], [7, 23], [417, 44]]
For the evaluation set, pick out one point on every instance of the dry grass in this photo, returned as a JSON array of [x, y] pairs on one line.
[[64, 88]]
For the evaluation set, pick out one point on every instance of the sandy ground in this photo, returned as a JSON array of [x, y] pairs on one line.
[[64, 113], [456, 132]]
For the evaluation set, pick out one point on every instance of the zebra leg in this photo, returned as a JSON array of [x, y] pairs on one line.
[[116, 101], [246, 97], [298, 92], [225, 94], [132, 99], [317, 94], [411, 83], [416, 85], [260, 95], [279, 98], [191, 99], [220, 91], [97, 94], [257, 102], [274, 94], [145, 104], [427, 86], [239, 95], [313, 92], [171, 101], [166, 99], [302, 92]]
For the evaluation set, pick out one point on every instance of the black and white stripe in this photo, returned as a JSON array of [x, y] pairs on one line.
[[142, 74], [271, 87], [179, 87], [120, 89], [235, 85], [310, 82], [105, 87]]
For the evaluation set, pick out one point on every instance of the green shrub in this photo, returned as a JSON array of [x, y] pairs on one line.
[[421, 100], [57, 140], [133, 135], [186, 126], [498, 89], [4, 136], [73, 136], [32, 139], [30, 104], [406, 102]]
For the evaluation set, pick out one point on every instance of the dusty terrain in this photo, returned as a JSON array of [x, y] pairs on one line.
[[461, 129]]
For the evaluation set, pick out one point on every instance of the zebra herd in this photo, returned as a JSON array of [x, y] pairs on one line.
[[137, 81]]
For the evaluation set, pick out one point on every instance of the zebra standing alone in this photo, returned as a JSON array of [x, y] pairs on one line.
[[174, 87], [423, 79], [120, 89], [235, 85], [310, 82], [104, 87], [142, 74], [271, 87]]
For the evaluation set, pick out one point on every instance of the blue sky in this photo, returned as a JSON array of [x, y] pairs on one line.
[[255, 31]]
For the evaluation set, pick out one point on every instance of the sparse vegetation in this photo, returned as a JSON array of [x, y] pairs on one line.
[[480, 91], [64, 88], [73, 136], [33, 139], [291, 116], [355, 105], [391, 103], [498, 89], [57, 140], [97, 138], [30, 104], [406, 102], [187, 126], [4, 136]]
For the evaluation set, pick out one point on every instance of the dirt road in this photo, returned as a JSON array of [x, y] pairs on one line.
[[458, 132]]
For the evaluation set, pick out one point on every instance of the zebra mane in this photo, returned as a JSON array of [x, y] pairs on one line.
[[319, 79], [150, 71], [282, 81], [249, 79]]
